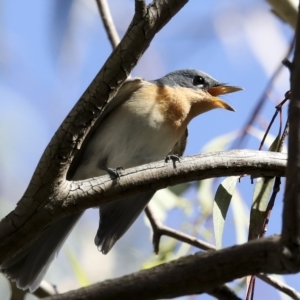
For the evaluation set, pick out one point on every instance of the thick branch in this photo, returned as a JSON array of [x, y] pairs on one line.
[[79, 195], [189, 275], [291, 210]]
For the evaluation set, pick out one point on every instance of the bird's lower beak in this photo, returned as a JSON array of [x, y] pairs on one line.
[[221, 90]]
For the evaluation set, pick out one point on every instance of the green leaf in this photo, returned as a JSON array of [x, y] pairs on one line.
[[221, 205], [77, 267], [275, 144], [240, 214], [262, 192]]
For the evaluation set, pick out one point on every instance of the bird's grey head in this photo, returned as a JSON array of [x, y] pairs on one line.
[[188, 78]]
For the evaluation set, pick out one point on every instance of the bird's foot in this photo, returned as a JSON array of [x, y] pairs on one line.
[[173, 158], [114, 172]]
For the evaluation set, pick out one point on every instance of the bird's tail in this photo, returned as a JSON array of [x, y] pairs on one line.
[[116, 217], [28, 268]]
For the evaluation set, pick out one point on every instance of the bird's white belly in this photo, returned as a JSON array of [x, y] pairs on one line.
[[127, 139]]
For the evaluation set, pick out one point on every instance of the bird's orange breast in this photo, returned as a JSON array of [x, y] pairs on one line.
[[172, 103]]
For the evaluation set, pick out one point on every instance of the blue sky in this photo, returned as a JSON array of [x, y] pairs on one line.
[[50, 52]]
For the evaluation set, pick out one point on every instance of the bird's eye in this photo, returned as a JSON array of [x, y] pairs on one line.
[[198, 80]]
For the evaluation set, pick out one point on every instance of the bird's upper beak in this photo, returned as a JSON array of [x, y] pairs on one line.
[[221, 90]]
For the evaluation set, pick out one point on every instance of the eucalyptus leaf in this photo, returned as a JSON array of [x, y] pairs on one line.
[[262, 192], [222, 200]]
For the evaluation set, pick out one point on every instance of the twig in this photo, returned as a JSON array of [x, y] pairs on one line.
[[159, 230], [251, 288], [278, 110], [276, 187], [108, 23], [280, 286], [261, 101]]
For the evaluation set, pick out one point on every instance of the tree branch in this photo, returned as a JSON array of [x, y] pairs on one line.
[[189, 275], [291, 209], [160, 229]]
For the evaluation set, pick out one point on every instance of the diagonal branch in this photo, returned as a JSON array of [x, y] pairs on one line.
[[48, 180], [160, 229]]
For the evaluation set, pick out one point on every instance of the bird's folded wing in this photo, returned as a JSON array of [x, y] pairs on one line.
[[124, 93]]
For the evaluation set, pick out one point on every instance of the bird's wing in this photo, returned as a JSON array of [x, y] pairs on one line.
[[124, 93], [116, 217]]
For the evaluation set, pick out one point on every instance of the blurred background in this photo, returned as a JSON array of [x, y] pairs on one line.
[[49, 53]]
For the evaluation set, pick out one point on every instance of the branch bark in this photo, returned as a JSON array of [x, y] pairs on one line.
[[189, 275], [291, 210]]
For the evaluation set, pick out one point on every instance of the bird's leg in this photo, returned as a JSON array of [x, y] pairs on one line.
[[174, 158]]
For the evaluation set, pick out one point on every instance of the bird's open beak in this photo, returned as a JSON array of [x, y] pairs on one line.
[[221, 90]]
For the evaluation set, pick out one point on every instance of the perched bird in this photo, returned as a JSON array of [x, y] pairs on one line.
[[143, 123]]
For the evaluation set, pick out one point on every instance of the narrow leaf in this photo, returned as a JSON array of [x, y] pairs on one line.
[[221, 204], [262, 192]]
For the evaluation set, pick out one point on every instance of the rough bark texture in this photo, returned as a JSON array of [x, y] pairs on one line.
[[291, 210], [189, 275]]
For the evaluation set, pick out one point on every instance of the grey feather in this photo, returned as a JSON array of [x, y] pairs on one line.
[[28, 268], [117, 217]]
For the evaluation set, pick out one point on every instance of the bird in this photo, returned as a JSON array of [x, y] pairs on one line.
[[145, 122]]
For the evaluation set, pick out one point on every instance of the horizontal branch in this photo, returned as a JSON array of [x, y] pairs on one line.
[[158, 175], [81, 195], [193, 274]]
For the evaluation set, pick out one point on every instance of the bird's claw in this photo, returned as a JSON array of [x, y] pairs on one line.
[[173, 157], [114, 172]]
